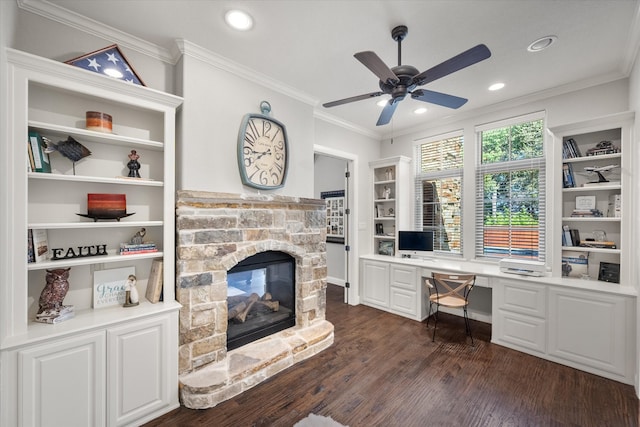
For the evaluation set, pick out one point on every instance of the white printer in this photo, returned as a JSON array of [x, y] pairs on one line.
[[522, 266]]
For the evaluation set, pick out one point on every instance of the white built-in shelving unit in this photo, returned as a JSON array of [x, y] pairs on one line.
[[111, 365]]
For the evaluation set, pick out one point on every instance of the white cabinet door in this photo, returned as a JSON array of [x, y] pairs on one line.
[[63, 382], [375, 283], [142, 367], [591, 329]]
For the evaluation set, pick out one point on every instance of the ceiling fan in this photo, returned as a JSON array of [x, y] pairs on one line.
[[405, 79]]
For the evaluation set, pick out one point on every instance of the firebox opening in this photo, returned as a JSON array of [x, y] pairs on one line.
[[260, 297]]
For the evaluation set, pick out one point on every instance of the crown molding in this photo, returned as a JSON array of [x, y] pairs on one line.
[[194, 51], [512, 103], [95, 28], [320, 115], [633, 45]]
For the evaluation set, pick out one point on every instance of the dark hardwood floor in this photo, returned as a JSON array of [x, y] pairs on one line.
[[383, 370]]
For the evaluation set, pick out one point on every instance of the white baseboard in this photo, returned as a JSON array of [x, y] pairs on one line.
[[335, 281]]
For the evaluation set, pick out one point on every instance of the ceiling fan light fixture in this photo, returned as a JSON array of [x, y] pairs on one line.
[[496, 86], [382, 102], [542, 43], [420, 110], [239, 20]]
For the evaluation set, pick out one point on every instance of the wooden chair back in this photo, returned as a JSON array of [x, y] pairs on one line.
[[451, 289]]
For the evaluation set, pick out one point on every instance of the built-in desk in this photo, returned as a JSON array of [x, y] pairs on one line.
[[587, 324]]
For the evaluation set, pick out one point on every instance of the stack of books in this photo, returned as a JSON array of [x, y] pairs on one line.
[[570, 149], [570, 237], [49, 316], [586, 213], [598, 244], [133, 249]]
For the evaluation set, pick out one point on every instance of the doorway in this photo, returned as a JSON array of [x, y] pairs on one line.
[[334, 171]]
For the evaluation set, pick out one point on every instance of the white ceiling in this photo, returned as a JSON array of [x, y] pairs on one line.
[[309, 44]]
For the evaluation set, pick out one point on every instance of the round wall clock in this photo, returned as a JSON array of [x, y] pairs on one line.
[[263, 150]]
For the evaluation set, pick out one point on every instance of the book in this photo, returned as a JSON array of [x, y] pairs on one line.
[[50, 316], [135, 247], [575, 264], [598, 244], [30, 164], [154, 284], [41, 245], [56, 319], [140, 251], [568, 180], [575, 237], [615, 206], [566, 236], [40, 158], [31, 254]]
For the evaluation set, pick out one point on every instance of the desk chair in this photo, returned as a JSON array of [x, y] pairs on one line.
[[449, 290]]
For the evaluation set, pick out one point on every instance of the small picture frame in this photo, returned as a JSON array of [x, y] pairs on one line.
[[109, 61], [609, 272], [386, 247], [109, 286], [379, 229], [585, 203]]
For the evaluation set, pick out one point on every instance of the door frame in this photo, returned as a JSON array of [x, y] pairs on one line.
[[351, 294]]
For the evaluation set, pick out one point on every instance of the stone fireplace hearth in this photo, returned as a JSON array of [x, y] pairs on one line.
[[216, 231]]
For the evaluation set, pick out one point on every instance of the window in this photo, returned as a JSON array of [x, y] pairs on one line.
[[438, 192], [510, 181]]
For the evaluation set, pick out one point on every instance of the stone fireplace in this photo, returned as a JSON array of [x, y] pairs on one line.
[[217, 232]]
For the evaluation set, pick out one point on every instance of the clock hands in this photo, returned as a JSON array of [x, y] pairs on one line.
[[261, 153]]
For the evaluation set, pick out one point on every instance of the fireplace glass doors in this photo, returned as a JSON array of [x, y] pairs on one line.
[[260, 297]]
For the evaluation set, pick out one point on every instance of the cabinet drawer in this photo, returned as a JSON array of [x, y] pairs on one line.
[[520, 297], [404, 301], [404, 277], [522, 331]]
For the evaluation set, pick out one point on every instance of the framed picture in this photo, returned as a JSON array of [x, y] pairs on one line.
[[335, 215], [109, 286], [109, 61], [386, 247]]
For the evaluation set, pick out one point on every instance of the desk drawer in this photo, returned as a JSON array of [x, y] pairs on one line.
[[404, 277], [520, 297]]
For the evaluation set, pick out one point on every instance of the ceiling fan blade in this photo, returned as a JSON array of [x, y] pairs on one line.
[[352, 99], [374, 63], [451, 65], [438, 98], [387, 112]]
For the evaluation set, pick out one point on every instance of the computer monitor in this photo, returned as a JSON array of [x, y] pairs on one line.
[[417, 244]]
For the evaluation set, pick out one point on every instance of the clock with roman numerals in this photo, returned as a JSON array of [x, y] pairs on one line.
[[263, 150]]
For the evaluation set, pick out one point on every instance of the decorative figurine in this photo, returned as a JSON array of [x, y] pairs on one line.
[[133, 165], [389, 173], [131, 298], [51, 308], [71, 149], [386, 193], [137, 238]]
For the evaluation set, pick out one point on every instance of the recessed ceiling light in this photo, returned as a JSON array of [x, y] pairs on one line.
[[542, 43], [239, 20], [420, 110], [496, 86], [382, 102]]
